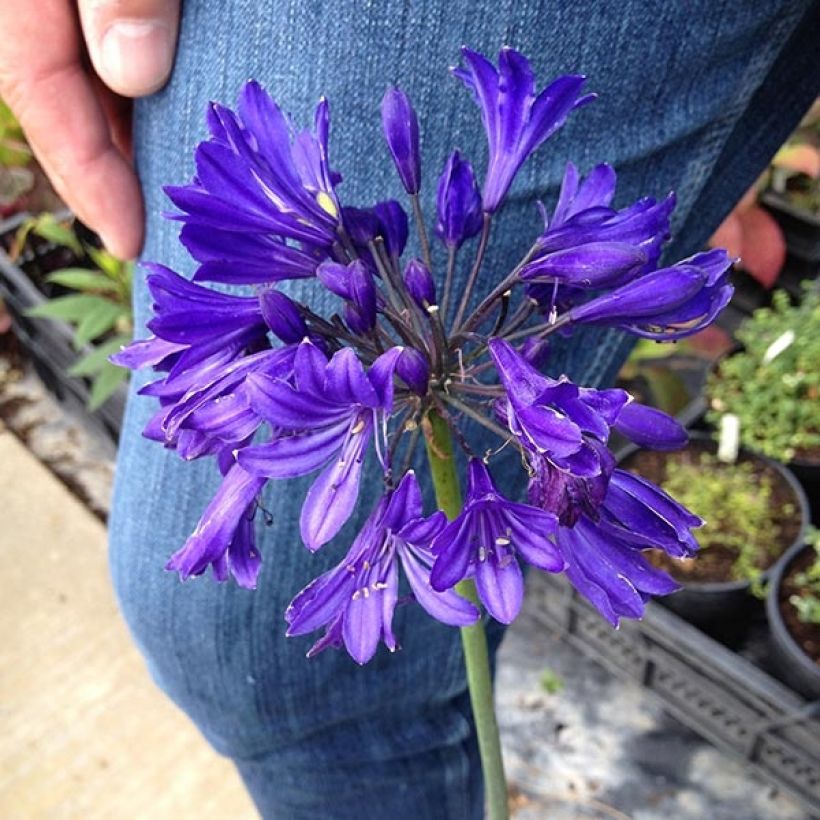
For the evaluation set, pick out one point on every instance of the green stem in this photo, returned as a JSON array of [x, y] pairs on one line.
[[473, 638]]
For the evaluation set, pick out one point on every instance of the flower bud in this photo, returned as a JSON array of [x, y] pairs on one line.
[[420, 283], [412, 368], [458, 203], [282, 316], [401, 130], [363, 295], [335, 277]]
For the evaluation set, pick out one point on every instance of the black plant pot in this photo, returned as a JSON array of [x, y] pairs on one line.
[[723, 607], [48, 342], [793, 665], [808, 474]]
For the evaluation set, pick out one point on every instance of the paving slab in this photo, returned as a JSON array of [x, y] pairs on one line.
[[84, 733]]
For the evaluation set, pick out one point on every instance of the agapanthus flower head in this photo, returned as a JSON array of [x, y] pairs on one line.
[[271, 389], [517, 119]]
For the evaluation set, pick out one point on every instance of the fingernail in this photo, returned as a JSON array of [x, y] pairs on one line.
[[136, 56]]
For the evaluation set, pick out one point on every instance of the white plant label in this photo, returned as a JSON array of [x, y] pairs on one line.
[[729, 442], [781, 343]]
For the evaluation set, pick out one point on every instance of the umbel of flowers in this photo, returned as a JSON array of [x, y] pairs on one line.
[[272, 389]]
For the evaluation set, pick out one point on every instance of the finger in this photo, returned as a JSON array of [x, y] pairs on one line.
[[131, 42], [43, 82]]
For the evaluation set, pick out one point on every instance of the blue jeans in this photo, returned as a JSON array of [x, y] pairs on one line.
[[693, 97]]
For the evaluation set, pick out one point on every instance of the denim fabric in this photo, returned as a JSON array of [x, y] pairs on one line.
[[678, 85]]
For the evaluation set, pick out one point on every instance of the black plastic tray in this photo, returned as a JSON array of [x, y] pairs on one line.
[[47, 342], [720, 694]]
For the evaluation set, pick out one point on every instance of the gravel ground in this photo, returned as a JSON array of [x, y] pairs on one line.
[[601, 748]]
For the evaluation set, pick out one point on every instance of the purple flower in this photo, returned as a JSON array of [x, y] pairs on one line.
[[516, 119], [401, 131], [224, 536], [567, 425], [217, 412], [324, 417], [262, 206], [666, 304], [552, 418], [458, 203], [355, 601], [188, 313], [588, 244], [485, 539], [603, 554]]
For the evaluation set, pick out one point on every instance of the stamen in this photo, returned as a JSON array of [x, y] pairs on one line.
[[326, 203]]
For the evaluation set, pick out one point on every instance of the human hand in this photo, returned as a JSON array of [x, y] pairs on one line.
[[77, 116]]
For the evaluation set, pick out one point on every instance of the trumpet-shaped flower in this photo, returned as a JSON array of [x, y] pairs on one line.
[[324, 417], [516, 118], [589, 244], [355, 600], [666, 304], [485, 540], [263, 204], [603, 552]]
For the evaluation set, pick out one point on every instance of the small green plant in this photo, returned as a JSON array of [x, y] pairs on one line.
[[551, 682], [735, 501], [16, 178], [807, 601], [99, 310], [773, 385]]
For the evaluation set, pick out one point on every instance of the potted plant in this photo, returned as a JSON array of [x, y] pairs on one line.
[[754, 511], [772, 385], [793, 610], [792, 192], [70, 306]]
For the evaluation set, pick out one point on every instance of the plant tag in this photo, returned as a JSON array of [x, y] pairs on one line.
[[781, 343], [729, 438]]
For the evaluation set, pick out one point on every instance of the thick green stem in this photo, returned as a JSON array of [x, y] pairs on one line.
[[473, 638]]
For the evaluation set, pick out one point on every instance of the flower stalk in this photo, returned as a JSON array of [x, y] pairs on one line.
[[473, 638]]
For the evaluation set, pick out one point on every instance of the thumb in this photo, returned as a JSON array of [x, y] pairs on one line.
[[131, 42]]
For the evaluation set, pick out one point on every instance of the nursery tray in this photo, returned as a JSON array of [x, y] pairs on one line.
[[727, 699], [48, 342]]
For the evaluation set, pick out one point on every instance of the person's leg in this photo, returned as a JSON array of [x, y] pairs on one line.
[[324, 738]]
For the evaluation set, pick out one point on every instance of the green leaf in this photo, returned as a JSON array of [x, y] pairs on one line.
[[107, 381], [83, 280], [98, 358], [68, 308], [97, 321], [106, 262], [49, 228]]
